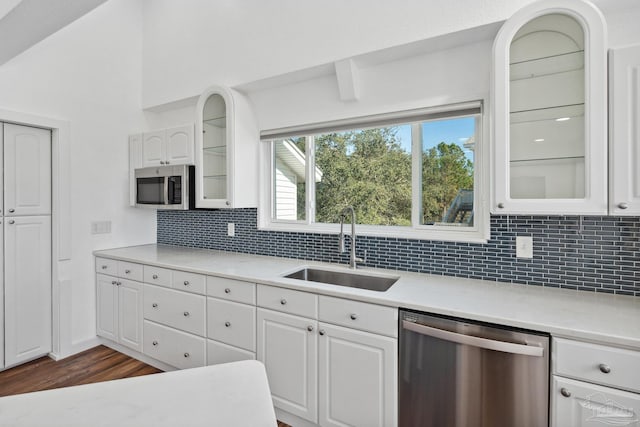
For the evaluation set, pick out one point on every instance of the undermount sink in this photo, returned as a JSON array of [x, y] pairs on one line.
[[341, 278]]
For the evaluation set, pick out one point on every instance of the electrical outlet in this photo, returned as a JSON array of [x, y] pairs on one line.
[[524, 247], [101, 227], [231, 229]]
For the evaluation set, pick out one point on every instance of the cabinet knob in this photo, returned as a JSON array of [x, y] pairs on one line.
[[127, 271], [118, 283], [227, 291], [565, 392], [321, 331], [161, 162], [227, 203], [283, 301], [104, 267], [227, 324], [623, 205], [186, 355], [167, 162], [353, 316], [604, 368], [501, 205], [186, 314], [154, 305], [11, 221], [155, 276], [186, 283], [155, 343], [310, 328], [12, 210], [113, 282]]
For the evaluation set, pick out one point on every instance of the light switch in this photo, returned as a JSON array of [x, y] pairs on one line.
[[231, 229], [524, 247]]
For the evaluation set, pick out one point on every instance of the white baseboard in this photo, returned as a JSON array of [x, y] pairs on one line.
[[76, 348], [292, 420]]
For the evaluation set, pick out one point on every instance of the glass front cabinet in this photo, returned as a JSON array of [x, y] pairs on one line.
[[226, 150], [550, 111]]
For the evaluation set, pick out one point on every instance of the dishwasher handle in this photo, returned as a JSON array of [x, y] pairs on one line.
[[503, 346]]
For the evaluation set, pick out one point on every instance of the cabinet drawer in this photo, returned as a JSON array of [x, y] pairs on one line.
[[190, 282], [157, 276], [130, 270], [232, 323], [359, 315], [590, 362], [107, 266], [174, 308], [232, 290], [288, 301], [174, 347], [218, 352]]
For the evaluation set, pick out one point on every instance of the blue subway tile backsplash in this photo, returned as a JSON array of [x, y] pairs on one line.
[[591, 253]]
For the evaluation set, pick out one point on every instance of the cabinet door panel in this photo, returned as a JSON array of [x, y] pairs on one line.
[[218, 352], [27, 288], [27, 170], [1, 290], [107, 307], [289, 352], [179, 150], [588, 404], [153, 148], [130, 314], [357, 378]]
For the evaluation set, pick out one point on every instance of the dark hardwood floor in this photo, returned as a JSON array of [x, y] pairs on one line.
[[91, 366], [94, 365]]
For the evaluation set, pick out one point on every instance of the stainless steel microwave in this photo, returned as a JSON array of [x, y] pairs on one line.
[[165, 187]]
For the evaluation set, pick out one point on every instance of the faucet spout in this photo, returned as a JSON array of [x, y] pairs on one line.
[[352, 253]]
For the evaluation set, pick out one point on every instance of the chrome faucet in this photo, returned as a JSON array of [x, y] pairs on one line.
[[352, 257]]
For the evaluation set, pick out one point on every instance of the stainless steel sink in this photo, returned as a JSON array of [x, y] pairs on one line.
[[341, 278]]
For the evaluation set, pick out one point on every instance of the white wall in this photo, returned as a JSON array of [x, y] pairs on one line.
[[89, 74], [191, 45]]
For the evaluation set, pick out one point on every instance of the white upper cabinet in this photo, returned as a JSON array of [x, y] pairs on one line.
[[27, 170], [172, 146], [226, 150], [624, 127], [549, 111]]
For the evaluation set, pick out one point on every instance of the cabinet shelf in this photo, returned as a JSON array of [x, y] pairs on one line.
[[547, 159], [219, 122], [219, 150], [545, 66], [215, 177], [548, 113]]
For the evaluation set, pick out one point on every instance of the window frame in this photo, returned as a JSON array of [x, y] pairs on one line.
[[478, 233]]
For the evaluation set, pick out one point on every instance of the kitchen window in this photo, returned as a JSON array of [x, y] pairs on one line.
[[416, 174]]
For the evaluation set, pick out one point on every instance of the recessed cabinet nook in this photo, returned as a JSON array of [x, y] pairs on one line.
[[226, 150], [550, 111]]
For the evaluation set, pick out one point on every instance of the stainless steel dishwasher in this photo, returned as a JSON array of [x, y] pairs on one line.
[[459, 373]]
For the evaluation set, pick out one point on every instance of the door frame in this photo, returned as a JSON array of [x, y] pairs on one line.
[[61, 292]]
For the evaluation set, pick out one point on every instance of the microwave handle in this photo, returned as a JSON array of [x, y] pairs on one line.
[[166, 190]]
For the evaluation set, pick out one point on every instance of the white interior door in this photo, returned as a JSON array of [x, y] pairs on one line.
[[1, 290], [27, 170], [27, 288]]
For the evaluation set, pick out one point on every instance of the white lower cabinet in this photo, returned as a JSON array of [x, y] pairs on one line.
[[173, 347], [119, 310], [357, 378], [594, 384], [326, 374]]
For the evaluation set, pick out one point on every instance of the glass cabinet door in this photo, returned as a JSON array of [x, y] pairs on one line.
[[547, 127], [214, 148]]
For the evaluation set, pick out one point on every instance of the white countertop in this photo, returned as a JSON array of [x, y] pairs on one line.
[[605, 318], [228, 395]]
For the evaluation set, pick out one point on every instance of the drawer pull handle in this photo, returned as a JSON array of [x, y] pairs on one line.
[[227, 290], [186, 355], [154, 305], [127, 271], [104, 267], [565, 392], [186, 314], [604, 368], [283, 301], [353, 316], [186, 283], [321, 331], [155, 276], [227, 324], [155, 343]]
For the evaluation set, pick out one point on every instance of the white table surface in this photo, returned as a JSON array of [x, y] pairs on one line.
[[229, 395], [605, 318]]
